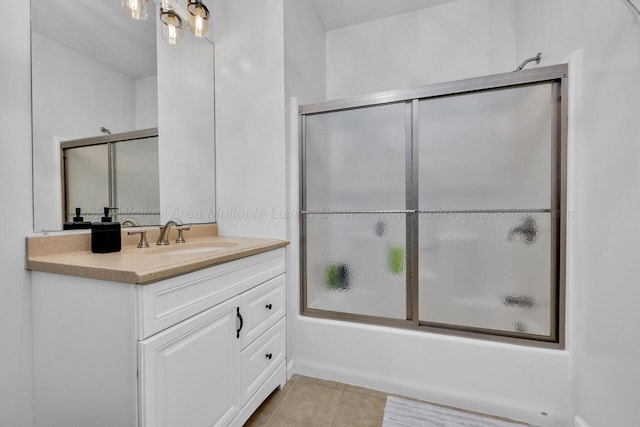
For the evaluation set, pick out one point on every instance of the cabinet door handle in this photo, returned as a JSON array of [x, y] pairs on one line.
[[241, 322], [269, 306], [269, 356]]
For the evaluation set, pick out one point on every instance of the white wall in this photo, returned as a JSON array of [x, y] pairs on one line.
[[146, 102], [74, 95], [305, 83], [250, 119], [16, 215], [604, 178], [452, 41], [305, 52]]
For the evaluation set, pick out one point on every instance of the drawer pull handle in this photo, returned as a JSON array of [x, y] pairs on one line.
[[241, 322], [269, 356], [269, 306]]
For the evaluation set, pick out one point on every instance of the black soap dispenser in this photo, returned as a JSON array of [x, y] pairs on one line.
[[78, 223], [105, 235]]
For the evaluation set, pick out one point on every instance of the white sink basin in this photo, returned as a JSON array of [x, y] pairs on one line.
[[186, 248]]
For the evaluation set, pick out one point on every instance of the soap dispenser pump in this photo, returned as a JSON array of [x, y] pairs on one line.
[[105, 235], [78, 223]]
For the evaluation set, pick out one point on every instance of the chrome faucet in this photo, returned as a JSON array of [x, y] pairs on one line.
[[130, 221], [163, 239]]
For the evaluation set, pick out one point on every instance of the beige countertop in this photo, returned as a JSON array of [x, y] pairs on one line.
[[70, 254]]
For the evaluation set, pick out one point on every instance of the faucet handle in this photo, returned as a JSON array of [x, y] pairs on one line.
[[143, 237], [180, 229]]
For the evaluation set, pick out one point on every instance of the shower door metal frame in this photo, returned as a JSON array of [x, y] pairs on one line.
[[557, 76]]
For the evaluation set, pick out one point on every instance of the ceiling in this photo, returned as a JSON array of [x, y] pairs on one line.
[[101, 31], [342, 13]]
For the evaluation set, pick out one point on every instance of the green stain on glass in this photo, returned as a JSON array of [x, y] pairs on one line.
[[337, 276], [395, 260], [332, 276]]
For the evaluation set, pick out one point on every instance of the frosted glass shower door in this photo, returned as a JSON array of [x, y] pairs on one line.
[[486, 204], [87, 181], [355, 159], [487, 150], [136, 178], [489, 271], [356, 264], [354, 218]]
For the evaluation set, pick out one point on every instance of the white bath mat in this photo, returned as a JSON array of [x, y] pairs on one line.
[[400, 412]]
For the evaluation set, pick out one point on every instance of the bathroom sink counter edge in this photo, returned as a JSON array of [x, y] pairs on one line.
[[70, 254]]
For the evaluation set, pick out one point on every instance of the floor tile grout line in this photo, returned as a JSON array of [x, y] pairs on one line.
[[294, 382], [335, 414], [271, 416]]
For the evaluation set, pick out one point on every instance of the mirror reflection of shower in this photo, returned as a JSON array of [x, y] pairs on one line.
[[118, 170]]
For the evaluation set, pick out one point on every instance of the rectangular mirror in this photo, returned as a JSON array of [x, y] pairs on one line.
[[121, 118]]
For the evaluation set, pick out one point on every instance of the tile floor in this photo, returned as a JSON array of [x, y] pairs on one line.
[[312, 402]]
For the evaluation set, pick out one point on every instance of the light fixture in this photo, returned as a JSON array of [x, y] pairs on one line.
[[172, 29], [197, 17], [137, 9], [198, 22]]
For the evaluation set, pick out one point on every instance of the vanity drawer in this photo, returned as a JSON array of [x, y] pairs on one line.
[[168, 302], [262, 357], [261, 308]]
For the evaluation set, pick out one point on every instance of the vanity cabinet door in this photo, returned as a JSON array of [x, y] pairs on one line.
[[189, 373]]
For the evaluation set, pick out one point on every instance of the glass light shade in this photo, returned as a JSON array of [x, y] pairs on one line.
[[168, 4], [172, 28], [198, 18], [137, 9]]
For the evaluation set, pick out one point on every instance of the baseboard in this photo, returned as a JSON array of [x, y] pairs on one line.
[[290, 369], [579, 422]]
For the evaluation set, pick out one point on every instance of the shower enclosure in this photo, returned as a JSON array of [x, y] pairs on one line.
[[119, 170], [439, 208]]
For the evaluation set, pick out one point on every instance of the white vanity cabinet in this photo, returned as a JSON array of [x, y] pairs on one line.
[[189, 372], [201, 349]]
